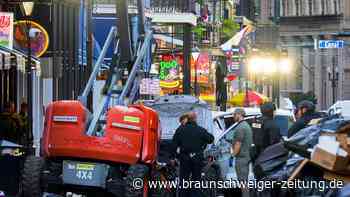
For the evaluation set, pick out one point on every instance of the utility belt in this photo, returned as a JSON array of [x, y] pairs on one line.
[[192, 155]]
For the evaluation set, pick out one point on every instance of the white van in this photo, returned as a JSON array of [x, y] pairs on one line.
[[222, 120]]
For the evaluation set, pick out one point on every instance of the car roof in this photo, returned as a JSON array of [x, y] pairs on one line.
[[216, 114], [251, 111], [345, 103]]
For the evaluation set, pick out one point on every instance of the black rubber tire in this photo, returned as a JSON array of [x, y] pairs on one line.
[[31, 177], [137, 171]]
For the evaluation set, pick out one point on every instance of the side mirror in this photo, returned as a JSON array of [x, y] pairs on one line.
[[331, 112]]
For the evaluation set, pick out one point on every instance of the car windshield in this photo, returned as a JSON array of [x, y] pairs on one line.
[[284, 123]]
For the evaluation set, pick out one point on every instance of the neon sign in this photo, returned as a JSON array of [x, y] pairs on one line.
[[168, 68], [39, 41]]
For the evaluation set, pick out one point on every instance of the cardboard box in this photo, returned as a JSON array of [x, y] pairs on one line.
[[328, 160], [342, 138], [330, 176]]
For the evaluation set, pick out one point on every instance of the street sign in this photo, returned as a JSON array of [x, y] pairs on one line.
[[330, 44]]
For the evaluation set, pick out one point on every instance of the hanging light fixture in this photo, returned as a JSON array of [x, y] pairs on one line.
[[27, 8]]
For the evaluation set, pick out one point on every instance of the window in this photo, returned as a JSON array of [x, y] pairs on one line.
[[323, 6], [297, 7], [335, 7], [310, 7]]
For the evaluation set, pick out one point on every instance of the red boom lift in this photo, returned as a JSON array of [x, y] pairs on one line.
[[106, 150]]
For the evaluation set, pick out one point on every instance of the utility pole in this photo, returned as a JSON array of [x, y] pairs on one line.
[[29, 83], [89, 47], [186, 83], [239, 20]]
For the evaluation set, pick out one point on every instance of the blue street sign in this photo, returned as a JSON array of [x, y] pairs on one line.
[[330, 44]]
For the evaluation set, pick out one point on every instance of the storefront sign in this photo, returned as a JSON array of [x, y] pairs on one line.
[[233, 62], [168, 70], [150, 86], [39, 38], [6, 29], [203, 67]]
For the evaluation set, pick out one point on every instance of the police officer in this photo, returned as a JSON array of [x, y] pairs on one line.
[[191, 139], [306, 112], [269, 132]]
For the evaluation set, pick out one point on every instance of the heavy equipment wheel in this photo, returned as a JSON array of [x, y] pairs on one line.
[[31, 177], [137, 174]]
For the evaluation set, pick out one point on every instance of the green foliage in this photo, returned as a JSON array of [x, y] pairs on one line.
[[229, 28], [199, 31], [297, 97], [200, 2]]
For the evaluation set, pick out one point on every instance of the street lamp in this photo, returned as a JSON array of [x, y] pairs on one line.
[[27, 10], [254, 65], [285, 66], [272, 67], [333, 76]]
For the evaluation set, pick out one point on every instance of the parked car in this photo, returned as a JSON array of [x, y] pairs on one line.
[[220, 151], [170, 108], [341, 108], [223, 120]]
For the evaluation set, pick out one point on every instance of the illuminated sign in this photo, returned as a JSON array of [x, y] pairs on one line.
[[168, 70], [173, 84], [39, 38], [6, 29], [202, 68], [233, 62]]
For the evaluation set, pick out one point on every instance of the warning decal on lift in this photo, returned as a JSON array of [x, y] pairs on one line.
[[132, 119], [84, 166]]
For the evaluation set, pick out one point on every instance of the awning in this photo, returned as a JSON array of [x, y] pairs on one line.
[[236, 39], [20, 61], [173, 18]]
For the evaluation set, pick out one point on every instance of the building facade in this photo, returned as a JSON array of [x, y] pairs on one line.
[[302, 24]]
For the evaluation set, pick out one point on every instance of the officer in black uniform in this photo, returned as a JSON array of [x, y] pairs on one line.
[[191, 139], [268, 132], [306, 110]]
